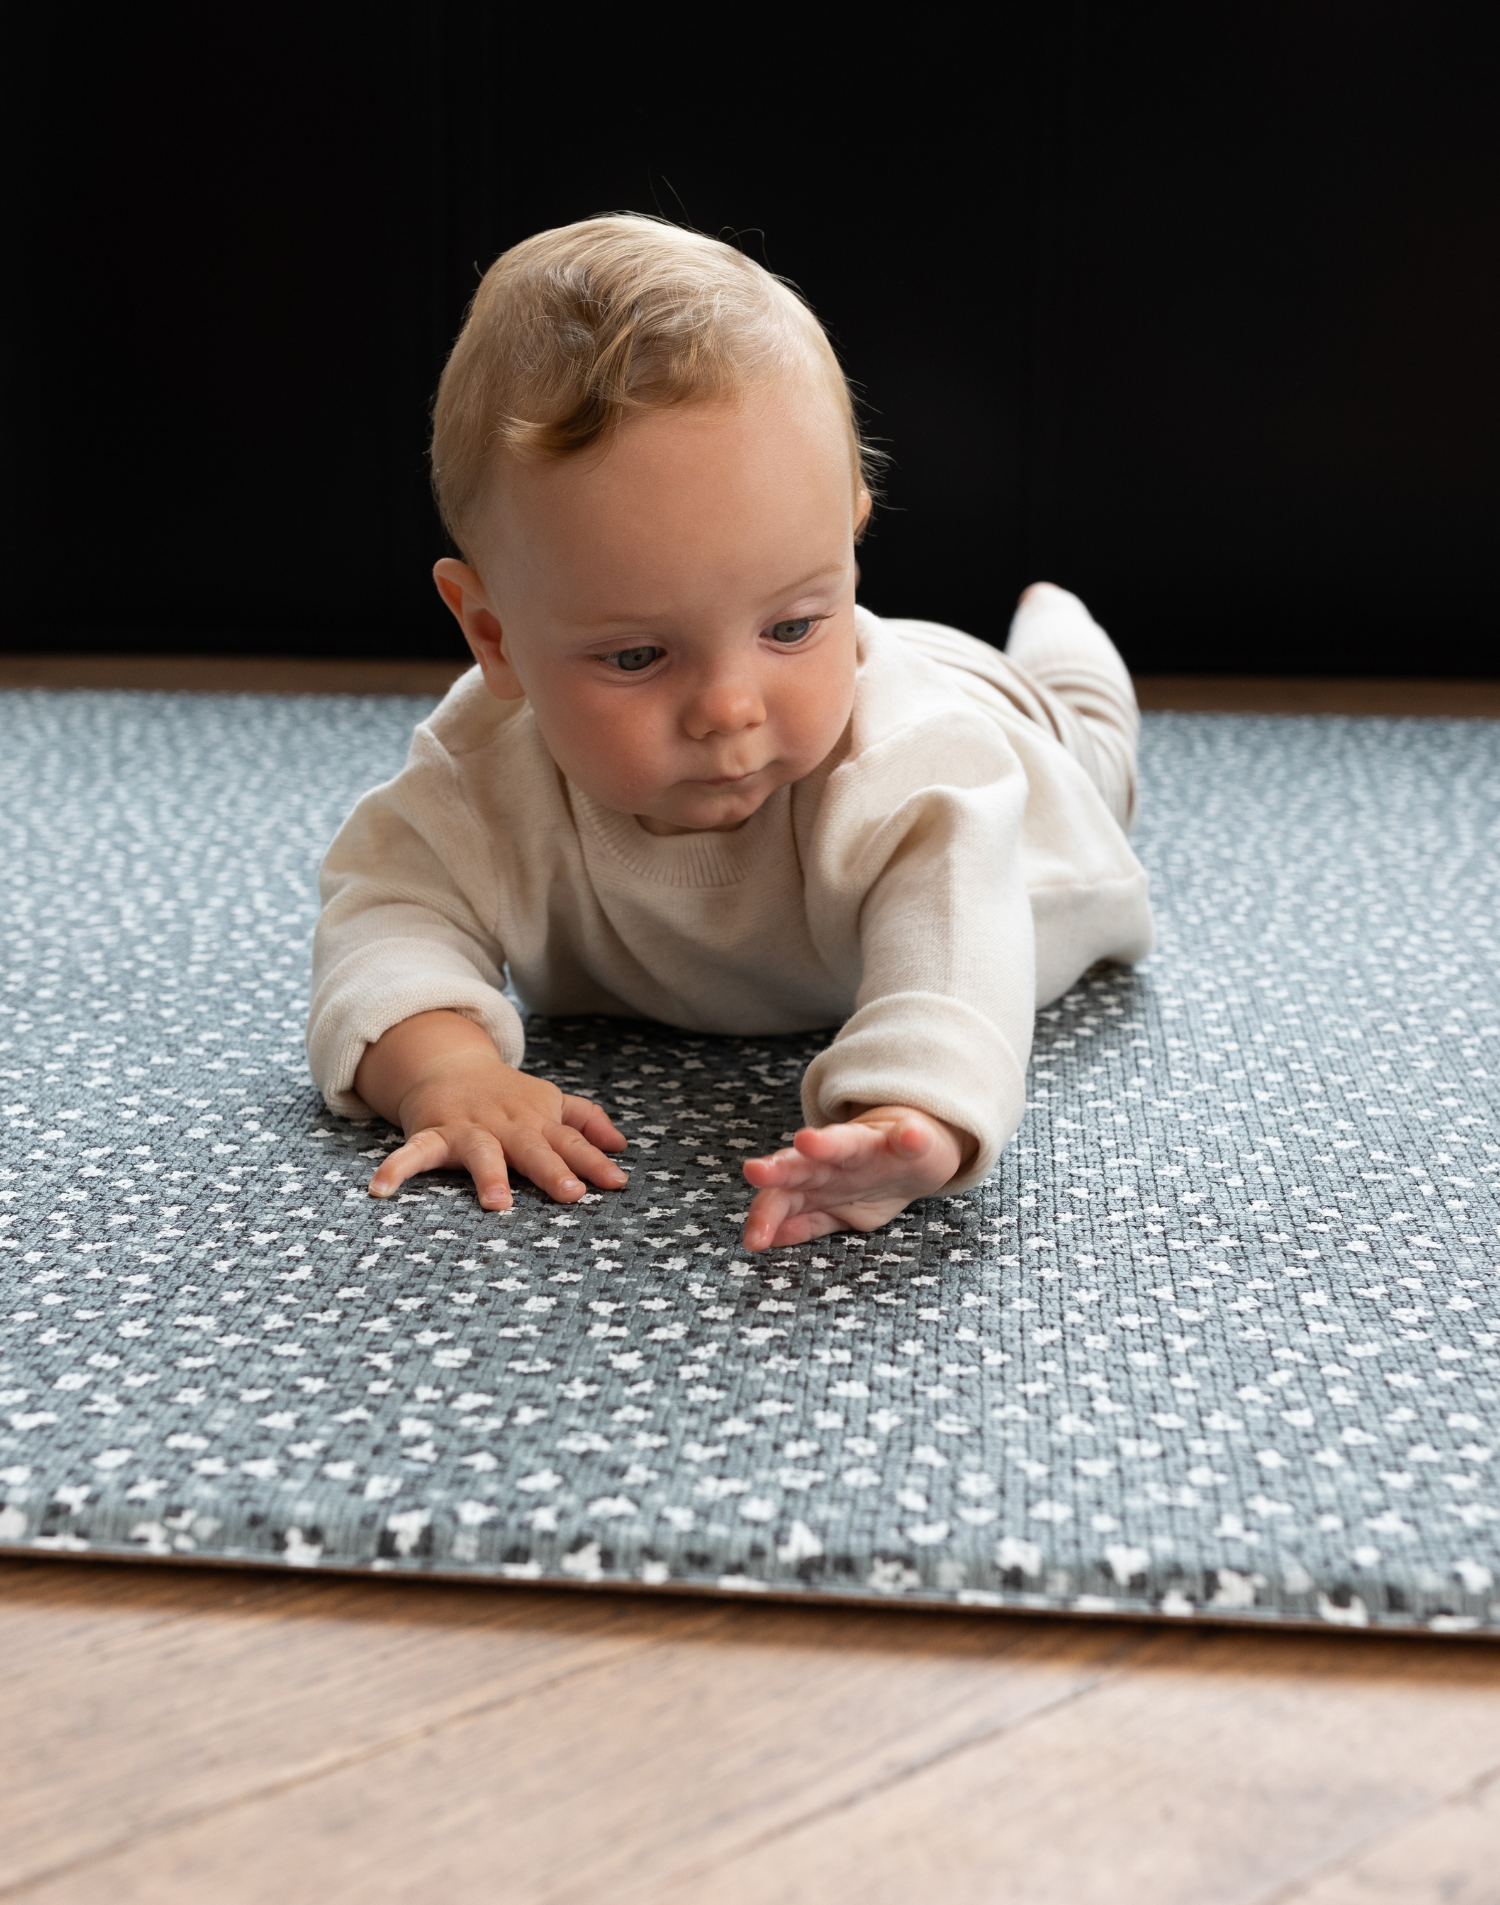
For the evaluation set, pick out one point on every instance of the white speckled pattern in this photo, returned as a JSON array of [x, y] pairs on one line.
[[1219, 1334]]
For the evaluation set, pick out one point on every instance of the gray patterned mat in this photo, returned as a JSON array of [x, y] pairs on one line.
[[1219, 1336]]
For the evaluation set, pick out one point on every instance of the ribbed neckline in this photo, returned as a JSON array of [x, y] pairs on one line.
[[683, 859]]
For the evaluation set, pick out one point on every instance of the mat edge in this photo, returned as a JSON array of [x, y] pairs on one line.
[[1267, 1622]]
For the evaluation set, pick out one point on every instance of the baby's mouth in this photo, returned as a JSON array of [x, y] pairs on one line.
[[728, 780]]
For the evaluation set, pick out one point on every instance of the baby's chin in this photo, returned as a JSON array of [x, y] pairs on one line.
[[706, 810]]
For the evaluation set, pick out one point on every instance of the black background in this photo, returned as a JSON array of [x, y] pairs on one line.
[[1193, 309]]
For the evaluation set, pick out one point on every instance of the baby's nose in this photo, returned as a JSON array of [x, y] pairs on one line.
[[724, 707]]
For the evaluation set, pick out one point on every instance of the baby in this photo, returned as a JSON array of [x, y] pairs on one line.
[[691, 780]]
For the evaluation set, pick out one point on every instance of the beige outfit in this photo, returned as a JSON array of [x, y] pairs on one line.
[[959, 859]]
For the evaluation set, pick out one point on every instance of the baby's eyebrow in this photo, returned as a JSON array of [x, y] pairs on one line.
[[818, 575], [623, 623]]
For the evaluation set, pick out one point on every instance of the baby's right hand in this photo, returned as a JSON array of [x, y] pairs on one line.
[[462, 1107]]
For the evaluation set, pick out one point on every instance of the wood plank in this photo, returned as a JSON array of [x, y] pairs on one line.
[[779, 1754], [54, 1615], [240, 1683], [231, 674], [1218, 1767], [1450, 1857], [282, 674], [605, 1784], [1316, 694]]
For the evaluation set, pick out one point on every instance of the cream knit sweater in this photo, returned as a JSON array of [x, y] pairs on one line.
[[951, 865]]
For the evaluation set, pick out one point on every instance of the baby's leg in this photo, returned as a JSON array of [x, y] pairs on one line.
[[1058, 644]]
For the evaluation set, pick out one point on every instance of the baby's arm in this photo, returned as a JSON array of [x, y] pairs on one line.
[[926, 1079], [854, 1176], [439, 1076], [408, 1017]]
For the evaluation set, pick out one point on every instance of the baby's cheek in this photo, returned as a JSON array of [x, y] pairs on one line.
[[637, 759], [812, 726], [613, 753]]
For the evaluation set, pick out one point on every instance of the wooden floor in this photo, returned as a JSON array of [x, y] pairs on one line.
[[275, 674], [201, 1737], [206, 1737]]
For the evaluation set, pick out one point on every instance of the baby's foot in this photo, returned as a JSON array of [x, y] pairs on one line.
[[1037, 589]]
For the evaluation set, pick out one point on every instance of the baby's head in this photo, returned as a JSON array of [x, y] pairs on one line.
[[646, 450]]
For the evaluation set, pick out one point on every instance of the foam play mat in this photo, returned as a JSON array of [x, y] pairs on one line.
[[1219, 1336]]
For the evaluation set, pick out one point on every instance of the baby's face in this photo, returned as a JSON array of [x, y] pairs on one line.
[[679, 612]]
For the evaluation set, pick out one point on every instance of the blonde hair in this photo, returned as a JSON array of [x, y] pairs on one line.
[[574, 330]]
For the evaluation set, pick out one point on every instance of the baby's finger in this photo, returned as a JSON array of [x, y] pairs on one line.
[[803, 1226], [586, 1160], [912, 1138], [768, 1211], [530, 1151], [785, 1170], [481, 1154], [839, 1144], [422, 1151], [595, 1124]]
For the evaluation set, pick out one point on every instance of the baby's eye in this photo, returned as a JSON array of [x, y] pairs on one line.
[[630, 661], [788, 634]]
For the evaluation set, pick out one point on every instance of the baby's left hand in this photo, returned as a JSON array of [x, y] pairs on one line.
[[854, 1176]]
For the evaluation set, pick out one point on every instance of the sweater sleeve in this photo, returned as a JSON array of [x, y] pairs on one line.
[[405, 889], [944, 1011]]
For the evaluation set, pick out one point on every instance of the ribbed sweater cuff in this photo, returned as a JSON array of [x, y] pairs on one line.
[[933, 1053], [334, 1050]]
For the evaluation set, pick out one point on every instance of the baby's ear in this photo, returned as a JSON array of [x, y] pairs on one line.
[[463, 590], [863, 504]]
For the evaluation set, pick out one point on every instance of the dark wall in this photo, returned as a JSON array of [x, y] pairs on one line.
[[1271, 387], [1193, 309]]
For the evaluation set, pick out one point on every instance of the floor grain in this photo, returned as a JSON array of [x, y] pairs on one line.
[[1449, 1856], [279, 674], [230, 674], [401, 1742], [200, 1734], [1212, 1767], [155, 1696], [1314, 694]]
